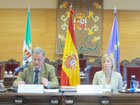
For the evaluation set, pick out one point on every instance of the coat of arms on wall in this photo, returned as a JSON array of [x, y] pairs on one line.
[[88, 25]]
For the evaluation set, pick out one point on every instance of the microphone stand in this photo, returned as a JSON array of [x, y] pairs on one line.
[[87, 76], [87, 69], [16, 70], [12, 87]]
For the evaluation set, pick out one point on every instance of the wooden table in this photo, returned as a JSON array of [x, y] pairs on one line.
[[70, 98], [73, 98], [11, 98]]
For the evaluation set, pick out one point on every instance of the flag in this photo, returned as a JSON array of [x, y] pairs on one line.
[[27, 46], [114, 45], [70, 73]]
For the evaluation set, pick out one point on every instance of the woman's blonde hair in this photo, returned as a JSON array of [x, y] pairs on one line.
[[112, 59]]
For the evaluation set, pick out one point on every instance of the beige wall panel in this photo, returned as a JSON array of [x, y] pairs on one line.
[[129, 32], [12, 31], [43, 30]]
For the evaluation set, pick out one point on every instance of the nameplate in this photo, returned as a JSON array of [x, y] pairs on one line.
[[30, 88], [51, 90], [90, 89]]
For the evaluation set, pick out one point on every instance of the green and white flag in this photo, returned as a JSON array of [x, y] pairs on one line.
[[27, 46]]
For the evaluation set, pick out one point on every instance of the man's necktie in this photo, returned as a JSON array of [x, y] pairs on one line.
[[36, 77]]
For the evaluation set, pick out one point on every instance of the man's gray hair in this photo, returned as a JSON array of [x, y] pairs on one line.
[[38, 50]]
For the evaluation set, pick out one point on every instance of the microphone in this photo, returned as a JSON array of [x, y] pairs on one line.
[[87, 68], [18, 69]]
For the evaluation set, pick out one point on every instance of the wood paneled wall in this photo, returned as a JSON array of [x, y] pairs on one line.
[[129, 32], [12, 31], [43, 31]]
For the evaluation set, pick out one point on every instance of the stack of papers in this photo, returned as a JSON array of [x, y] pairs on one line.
[[51, 90], [30, 88], [68, 89], [90, 89]]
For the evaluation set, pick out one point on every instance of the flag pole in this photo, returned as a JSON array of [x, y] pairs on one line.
[[115, 11], [70, 72], [29, 6], [114, 45], [27, 46]]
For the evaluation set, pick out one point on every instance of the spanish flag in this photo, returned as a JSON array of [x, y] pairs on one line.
[[70, 73]]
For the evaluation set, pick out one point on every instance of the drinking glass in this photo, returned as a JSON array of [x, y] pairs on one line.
[[1, 85], [124, 85]]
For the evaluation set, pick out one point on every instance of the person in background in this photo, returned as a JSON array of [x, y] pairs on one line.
[[45, 72], [108, 77]]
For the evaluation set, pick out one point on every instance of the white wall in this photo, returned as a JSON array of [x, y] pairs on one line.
[[108, 4]]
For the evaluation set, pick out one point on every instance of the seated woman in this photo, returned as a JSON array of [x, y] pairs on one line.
[[108, 77]]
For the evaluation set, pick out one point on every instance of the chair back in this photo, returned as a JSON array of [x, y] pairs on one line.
[[92, 71], [58, 72], [82, 64], [10, 65], [122, 71], [1, 71], [132, 71]]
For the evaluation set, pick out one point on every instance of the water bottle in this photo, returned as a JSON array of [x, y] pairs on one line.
[[132, 89]]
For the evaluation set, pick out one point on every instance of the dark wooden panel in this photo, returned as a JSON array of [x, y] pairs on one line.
[[102, 99], [28, 99]]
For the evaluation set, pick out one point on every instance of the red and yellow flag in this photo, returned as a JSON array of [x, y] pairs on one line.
[[70, 73]]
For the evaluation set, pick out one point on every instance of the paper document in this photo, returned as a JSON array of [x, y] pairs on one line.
[[51, 90], [89, 89], [30, 88], [68, 89]]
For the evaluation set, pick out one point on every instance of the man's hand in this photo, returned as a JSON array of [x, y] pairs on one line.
[[44, 81]]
